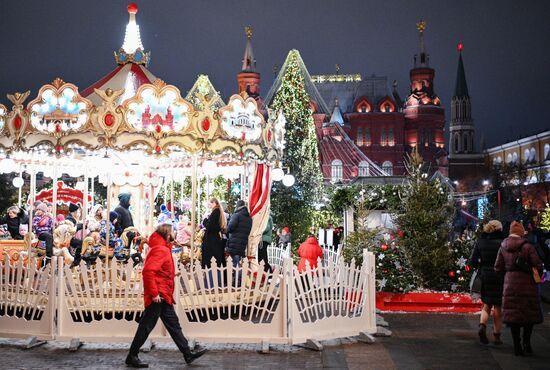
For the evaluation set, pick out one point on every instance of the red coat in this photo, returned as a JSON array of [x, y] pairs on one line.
[[158, 271], [309, 251]]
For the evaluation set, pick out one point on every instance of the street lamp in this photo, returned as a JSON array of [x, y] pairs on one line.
[[485, 183]]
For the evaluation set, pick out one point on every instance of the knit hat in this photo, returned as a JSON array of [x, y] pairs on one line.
[[42, 207], [517, 228], [285, 229], [73, 207], [113, 216], [166, 221], [492, 226]]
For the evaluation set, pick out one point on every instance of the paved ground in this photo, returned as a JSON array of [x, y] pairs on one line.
[[419, 341]]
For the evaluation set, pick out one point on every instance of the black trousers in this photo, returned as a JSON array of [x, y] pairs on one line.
[[148, 321], [47, 238], [262, 256]]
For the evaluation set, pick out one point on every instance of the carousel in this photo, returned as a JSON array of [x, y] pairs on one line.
[[134, 133]]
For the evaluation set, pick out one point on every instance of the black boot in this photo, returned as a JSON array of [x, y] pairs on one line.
[[193, 355], [518, 349], [498, 341], [527, 330], [482, 332], [134, 361]]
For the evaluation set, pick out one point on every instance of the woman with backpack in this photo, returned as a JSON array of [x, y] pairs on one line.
[[518, 261]]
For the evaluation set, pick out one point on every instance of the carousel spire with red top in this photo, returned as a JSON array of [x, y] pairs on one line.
[[132, 50]]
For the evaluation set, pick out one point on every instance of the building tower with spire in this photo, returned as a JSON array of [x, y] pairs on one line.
[[248, 79], [424, 116], [465, 160]]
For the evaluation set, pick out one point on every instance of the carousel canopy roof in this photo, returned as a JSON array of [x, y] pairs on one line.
[[133, 124], [132, 60]]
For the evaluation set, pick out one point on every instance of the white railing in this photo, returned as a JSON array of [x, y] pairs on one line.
[[27, 299], [331, 255], [276, 253], [217, 304]]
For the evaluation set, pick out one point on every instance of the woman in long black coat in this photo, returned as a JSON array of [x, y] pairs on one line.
[[212, 243], [483, 258]]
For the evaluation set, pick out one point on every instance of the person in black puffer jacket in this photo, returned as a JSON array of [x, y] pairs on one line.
[[14, 219], [124, 216], [239, 228], [484, 257]]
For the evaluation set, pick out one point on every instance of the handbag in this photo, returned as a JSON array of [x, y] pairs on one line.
[[475, 283], [523, 265]]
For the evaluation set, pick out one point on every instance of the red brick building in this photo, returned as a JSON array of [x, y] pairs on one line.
[[364, 127]]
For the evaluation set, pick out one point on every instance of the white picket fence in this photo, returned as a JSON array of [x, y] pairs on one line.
[[217, 304]]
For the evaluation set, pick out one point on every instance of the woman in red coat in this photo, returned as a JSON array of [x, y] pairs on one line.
[[309, 251], [158, 294]]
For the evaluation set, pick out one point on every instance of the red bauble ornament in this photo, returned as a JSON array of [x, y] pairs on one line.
[[58, 148], [109, 120], [58, 128], [384, 247], [132, 8], [205, 124], [157, 149], [17, 122], [451, 274], [158, 129], [467, 268], [385, 271]]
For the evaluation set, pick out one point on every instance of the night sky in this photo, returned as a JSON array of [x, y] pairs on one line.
[[506, 53]]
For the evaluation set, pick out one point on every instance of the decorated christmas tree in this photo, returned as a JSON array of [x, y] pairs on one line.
[[293, 206], [425, 220]]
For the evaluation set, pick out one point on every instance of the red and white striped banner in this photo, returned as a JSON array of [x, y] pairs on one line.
[[259, 205]]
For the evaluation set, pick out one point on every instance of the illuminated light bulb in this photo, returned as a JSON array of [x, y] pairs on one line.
[[132, 39], [18, 182], [8, 165], [288, 180]]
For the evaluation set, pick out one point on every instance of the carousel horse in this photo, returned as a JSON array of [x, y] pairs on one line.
[[62, 236], [91, 248], [134, 243]]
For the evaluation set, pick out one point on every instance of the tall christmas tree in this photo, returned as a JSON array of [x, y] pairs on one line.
[[425, 221], [293, 206]]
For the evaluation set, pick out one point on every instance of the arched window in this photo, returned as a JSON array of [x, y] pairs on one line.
[[526, 158], [336, 170], [532, 155], [367, 140], [547, 152], [391, 138], [515, 157], [466, 148], [387, 167], [383, 137], [456, 143], [364, 169], [359, 136]]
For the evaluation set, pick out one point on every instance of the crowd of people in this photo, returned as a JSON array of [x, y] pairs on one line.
[[76, 236], [510, 268]]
